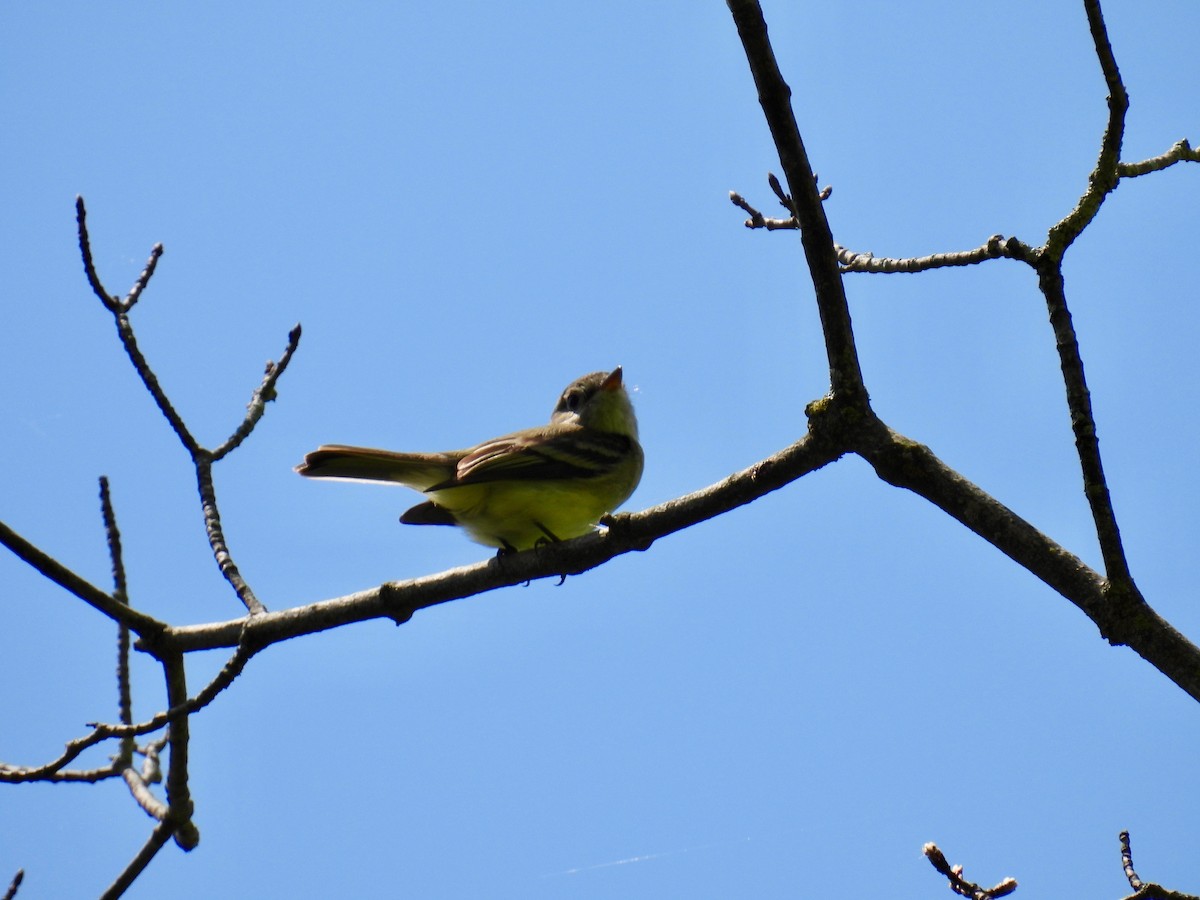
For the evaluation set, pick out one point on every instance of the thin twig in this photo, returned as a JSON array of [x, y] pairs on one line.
[[223, 679], [757, 219], [121, 595], [179, 795], [150, 380], [263, 395], [1103, 179], [111, 303], [14, 885], [140, 623], [1083, 426], [774, 95], [124, 329], [1101, 182], [996, 247], [157, 840], [1181, 151], [216, 536], [141, 792], [143, 279], [151, 762], [202, 459], [52, 771], [1145, 890], [958, 884], [1127, 861]]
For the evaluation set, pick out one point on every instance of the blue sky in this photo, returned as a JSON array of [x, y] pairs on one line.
[[467, 205]]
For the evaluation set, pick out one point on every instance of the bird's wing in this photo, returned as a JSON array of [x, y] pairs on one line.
[[548, 454]]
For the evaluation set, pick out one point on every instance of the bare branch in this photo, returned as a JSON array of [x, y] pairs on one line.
[[151, 763], [1103, 179], [1127, 861], [120, 594], [157, 840], [1122, 615], [774, 96], [223, 679], [142, 624], [1143, 889], [135, 292], [141, 792], [1083, 425], [111, 303], [1181, 151], [113, 536], [14, 885], [216, 535], [150, 380], [202, 459], [179, 795], [263, 395], [119, 309], [1101, 182], [958, 884], [757, 219], [53, 771], [996, 247], [625, 533]]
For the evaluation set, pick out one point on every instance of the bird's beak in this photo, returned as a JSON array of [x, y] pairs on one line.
[[613, 381]]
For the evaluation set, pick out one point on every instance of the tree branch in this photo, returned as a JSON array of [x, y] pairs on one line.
[[1083, 425], [52, 771], [398, 600], [202, 459], [774, 96], [14, 885], [145, 626], [216, 535], [262, 395], [157, 840], [179, 795], [1130, 624], [1103, 179], [996, 247], [959, 885], [1145, 890], [150, 380], [1181, 151], [120, 594]]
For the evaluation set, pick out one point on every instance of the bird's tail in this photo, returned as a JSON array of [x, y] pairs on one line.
[[414, 470]]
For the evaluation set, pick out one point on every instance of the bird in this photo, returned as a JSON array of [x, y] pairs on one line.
[[520, 490]]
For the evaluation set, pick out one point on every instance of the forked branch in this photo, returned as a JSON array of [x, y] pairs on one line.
[[202, 458], [1112, 601]]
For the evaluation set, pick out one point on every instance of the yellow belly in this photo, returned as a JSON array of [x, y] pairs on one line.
[[521, 514]]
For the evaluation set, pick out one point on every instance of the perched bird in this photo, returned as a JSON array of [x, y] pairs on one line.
[[522, 489]]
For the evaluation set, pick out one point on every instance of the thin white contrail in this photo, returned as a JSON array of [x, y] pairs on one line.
[[643, 858]]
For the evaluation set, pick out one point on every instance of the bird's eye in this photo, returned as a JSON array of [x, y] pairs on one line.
[[574, 400]]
